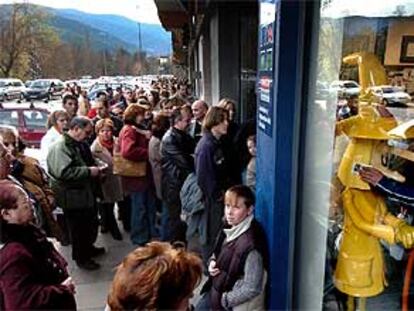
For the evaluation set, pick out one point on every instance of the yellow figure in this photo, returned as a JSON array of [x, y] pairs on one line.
[[370, 72], [360, 266]]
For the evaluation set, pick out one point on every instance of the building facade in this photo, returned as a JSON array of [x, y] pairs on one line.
[[302, 68]]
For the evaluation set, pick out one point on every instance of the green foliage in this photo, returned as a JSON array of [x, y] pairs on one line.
[[23, 33], [30, 48]]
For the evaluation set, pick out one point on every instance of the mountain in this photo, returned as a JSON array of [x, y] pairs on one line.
[[105, 31], [155, 40]]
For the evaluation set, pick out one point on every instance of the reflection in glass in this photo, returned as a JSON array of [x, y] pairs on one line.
[[356, 227]]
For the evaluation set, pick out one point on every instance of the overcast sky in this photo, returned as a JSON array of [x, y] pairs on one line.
[[141, 10], [373, 8]]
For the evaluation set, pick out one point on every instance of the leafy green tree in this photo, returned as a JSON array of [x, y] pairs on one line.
[[25, 39]]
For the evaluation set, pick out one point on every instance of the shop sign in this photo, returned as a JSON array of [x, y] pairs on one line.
[[266, 66]]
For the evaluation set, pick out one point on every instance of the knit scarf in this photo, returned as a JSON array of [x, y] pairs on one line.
[[107, 144]]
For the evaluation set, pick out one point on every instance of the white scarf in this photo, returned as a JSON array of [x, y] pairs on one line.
[[236, 231]]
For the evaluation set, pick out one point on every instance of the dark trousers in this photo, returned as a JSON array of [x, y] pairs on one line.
[[125, 212], [214, 213], [83, 227], [106, 211], [176, 228]]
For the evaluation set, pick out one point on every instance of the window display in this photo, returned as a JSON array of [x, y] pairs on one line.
[[357, 199]]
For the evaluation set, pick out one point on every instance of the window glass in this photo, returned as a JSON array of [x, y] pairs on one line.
[[9, 117], [35, 120], [357, 200]]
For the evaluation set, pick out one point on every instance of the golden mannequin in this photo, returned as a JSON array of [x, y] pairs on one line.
[[360, 267]]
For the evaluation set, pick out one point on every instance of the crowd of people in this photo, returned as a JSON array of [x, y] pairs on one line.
[[143, 157]]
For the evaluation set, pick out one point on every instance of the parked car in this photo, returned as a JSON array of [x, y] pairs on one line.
[[46, 89], [12, 88], [345, 88], [28, 83], [29, 121], [390, 95], [86, 83]]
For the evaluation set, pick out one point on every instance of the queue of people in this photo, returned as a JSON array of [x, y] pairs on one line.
[[127, 157]]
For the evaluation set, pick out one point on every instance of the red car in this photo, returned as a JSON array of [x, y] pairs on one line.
[[29, 121]]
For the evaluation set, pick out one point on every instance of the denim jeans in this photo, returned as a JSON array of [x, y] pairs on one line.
[[143, 212]]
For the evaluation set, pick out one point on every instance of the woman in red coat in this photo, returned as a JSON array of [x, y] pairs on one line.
[[133, 143], [33, 275]]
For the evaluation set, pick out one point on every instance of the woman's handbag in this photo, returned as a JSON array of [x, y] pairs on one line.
[[125, 167]]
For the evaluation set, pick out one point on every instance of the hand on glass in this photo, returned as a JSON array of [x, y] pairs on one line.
[[212, 268], [405, 235], [370, 175]]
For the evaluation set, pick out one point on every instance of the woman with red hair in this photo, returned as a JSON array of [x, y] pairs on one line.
[[155, 277]]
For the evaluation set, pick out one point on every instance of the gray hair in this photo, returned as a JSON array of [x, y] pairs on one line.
[[80, 122]]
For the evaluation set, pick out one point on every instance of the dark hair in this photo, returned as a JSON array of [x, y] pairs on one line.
[[252, 138], [177, 113], [187, 109], [8, 197], [156, 96], [176, 101], [176, 116], [155, 277], [215, 115], [105, 102], [165, 93], [81, 122], [132, 112], [100, 93], [244, 192], [68, 97], [160, 125]]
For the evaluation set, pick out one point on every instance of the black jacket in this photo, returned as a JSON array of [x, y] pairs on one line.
[[177, 163]]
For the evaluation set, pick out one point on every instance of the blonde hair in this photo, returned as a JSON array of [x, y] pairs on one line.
[[102, 124]]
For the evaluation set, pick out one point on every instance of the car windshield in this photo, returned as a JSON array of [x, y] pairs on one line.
[[2, 83], [40, 84], [388, 90], [35, 120], [349, 85]]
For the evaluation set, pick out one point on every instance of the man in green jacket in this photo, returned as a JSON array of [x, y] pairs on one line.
[[73, 181]]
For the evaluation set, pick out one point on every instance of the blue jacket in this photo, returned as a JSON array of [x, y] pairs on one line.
[[401, 192], [210, 167]]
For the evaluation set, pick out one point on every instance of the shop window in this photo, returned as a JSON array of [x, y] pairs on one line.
[[357, 194]]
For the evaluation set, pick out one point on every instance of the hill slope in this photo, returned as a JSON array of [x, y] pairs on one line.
[[155, 40], [105, 31]]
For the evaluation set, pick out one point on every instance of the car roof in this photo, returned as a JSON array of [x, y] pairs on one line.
[[47, 80], [9, 79], [22, 106]]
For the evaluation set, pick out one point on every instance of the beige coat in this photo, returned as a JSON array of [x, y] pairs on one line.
[[154, 156], [111, 184]]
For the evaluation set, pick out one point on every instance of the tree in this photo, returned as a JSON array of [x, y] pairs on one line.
[[24, 38]]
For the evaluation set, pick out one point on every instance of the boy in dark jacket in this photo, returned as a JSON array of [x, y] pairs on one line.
[[236, 268]]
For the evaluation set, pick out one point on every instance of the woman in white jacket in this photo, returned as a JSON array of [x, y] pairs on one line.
[[56, 124]]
